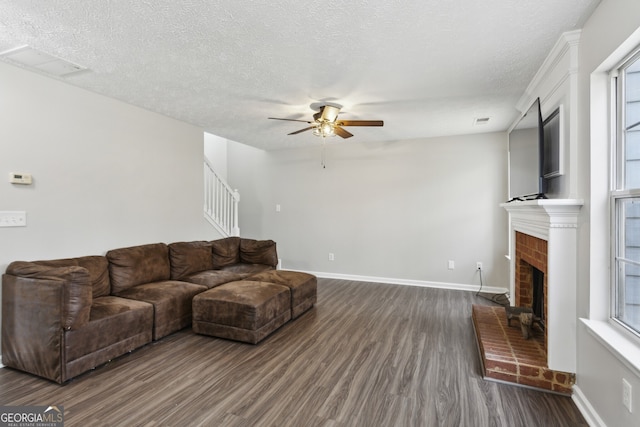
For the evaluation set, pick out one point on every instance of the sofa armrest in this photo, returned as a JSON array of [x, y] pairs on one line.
[[73, 297], [36, 309]]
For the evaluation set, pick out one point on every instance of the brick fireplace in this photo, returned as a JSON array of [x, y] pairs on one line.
[[552, 223], [543, 236]]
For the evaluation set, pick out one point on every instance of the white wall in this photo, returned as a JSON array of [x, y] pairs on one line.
[[215, 150], [600, 370], [396, 210], [106, 174]]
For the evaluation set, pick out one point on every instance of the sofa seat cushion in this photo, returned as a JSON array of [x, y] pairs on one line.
[[246, 270], [113, 320], [171, 300], [213, 278], [245, 311], [303, 286]]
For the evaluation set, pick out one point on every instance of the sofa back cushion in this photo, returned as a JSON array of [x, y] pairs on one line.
[[189, 258], [258, 252], [225, 251], [97, 266], [136, 265]]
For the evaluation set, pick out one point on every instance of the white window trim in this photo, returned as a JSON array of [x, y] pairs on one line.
[[598, 322], [618, 186]]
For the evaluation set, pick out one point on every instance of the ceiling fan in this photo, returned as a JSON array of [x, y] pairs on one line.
[[325, 122]]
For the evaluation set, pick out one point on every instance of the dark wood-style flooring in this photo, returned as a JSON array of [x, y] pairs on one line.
[[367, 355]]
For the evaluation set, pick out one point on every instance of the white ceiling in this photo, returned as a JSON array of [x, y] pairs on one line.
[[425, 67]]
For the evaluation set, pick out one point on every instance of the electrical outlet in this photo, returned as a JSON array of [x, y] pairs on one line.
[[451, 265], [626, 394], [331, 256], [478, 265]]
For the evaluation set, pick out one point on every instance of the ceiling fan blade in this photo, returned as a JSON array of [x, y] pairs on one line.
[[360, 123], [301, 130], [342, 132], [289, 120]]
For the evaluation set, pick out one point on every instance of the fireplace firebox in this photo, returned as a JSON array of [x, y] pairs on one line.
[[537, 284]]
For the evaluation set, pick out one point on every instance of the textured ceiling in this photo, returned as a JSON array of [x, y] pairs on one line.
[[425, 67]]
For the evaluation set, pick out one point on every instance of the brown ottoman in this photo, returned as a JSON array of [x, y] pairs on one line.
[[245, 310], [303, 286]]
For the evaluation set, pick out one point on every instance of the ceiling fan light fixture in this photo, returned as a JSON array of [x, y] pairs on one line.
[[325, 122], [326, 129]]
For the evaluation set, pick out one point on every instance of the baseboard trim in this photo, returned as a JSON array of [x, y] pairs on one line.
[[410, 282], [586, 409]]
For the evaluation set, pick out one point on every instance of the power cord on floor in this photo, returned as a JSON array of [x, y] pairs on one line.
[[500, 299]]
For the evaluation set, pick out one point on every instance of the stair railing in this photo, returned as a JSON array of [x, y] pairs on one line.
[[220, 203]]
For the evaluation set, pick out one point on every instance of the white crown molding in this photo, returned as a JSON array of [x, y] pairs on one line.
[[567, 44]]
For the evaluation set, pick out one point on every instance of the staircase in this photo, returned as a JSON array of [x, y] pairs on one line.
[[220, 203]]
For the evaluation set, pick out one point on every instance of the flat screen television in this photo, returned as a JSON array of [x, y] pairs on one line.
[[552, 163], [526, 145]]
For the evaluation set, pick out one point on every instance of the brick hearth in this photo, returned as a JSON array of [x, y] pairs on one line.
[[507, 356]]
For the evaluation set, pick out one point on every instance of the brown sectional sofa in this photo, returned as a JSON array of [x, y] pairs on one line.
[[63, 317]]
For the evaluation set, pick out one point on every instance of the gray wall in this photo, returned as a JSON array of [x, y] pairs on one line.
[[106, 174], [396, 210]]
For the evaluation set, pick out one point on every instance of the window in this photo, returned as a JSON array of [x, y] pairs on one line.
[[625, 195]]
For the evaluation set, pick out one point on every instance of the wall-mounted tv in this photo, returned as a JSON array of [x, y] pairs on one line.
[[526, 176], [552, 160]]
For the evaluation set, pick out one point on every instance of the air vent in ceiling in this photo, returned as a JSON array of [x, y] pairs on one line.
[[34, 59], [481, 120]]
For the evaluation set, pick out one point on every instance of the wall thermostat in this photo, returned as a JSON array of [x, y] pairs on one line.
[[20, 178]]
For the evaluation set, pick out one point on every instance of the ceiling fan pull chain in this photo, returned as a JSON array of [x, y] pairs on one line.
[[324, 155]]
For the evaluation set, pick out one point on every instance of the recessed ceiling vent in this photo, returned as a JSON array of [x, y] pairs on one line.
[[36, 60], [481, 121]]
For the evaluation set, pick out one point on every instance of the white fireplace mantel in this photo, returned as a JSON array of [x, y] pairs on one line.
[[537, 217], [556, 221]]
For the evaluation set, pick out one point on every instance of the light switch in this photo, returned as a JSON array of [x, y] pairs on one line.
[[13, 219]]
